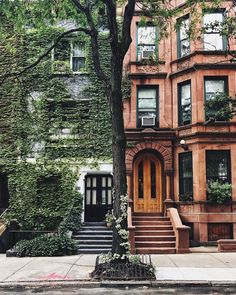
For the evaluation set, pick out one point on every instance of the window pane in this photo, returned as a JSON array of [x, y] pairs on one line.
[[147, 93], [78, 63], [146, 35], [140, 180], [185, 104], [147, 103], [109, 197], [94, 197], [185, 175], [104, 197], [213, 42], [153, 180], [103, 181], [109, 182], [212, 87], [184, 27], [88, 181], [218, 166], [88, 199], [184, 47], [212, 21], [94, 181]]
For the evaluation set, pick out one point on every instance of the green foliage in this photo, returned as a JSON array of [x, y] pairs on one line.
[[56, 245], [41, 195], [219, 193], [220, 108]]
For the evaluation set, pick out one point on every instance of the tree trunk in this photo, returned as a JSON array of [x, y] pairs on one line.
[[118, 152]]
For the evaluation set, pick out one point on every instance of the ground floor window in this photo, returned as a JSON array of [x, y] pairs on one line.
[[185, 177], [4, 194], [98, 196]]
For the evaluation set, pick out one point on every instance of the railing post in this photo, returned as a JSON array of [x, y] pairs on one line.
[[131, 230]]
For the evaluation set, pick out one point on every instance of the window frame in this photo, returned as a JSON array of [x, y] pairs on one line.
[[223, 38], [228, 159], [156, 51], [180, 112], [72, 42], [141, 87], [179, 22], [215, 78], [182, 178]]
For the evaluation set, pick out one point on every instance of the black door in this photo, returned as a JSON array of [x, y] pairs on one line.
[[98, 196]]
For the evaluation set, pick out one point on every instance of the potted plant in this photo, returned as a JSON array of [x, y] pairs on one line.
[[109, 219], [219, 193]]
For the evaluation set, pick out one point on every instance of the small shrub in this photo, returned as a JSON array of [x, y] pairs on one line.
[[219, 193], [56, 245]]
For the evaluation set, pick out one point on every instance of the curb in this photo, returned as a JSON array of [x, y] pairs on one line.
[[48, 285]]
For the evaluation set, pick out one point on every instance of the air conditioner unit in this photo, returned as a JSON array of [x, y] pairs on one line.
[[148, 121], [147, 54]]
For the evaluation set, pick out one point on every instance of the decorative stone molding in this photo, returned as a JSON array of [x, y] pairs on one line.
[[147, 69], [165, 152]]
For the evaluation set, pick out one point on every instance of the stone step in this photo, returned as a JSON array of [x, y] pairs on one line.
[[154, 238], [151, 218], [94, 242], [147, 214], [92, 232], [154, 227], [150, 222], [94, 228], [142, 232], [164, 250], [156, 244], [92, 237], [102, 223]]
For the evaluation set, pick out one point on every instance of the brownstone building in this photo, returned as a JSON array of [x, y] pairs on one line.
[[172, 153]]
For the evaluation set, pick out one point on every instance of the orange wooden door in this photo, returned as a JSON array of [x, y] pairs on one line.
[[147, 184]]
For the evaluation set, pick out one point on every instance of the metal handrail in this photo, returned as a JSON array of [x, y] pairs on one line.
[[3, 213]]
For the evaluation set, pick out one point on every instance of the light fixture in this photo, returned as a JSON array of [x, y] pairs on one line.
[[183, 144]]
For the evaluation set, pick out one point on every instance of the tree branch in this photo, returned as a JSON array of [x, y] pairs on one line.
[[94, 42], [14, 74], [126, 35]]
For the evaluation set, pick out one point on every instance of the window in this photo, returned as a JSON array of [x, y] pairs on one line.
[[218, 166], [184, 97], [77, 57], [185, 176], [146, 43], [212, 27], [147, 113], [183, 37], [68, 55], [214, 86]]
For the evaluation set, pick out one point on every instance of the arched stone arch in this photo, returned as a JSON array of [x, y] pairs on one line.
[[165, 152]]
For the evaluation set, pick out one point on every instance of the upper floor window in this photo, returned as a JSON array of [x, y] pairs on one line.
[[183, 36], [218, 166], [213, 86], [146, 42], [184, 97], [147, 107], [68, 55], [213, 40], [185, 176]]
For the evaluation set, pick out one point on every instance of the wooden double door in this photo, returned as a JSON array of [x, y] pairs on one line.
[[147, 184]]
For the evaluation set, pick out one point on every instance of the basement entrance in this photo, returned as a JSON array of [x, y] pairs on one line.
[[98, 196]]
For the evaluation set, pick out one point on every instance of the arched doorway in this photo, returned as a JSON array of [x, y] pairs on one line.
[[147, 184]]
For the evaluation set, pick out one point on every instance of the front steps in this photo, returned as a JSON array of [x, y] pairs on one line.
[[93, 238], [153, 234]]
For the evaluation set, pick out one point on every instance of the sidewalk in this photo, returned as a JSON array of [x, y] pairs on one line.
[[202, 267]]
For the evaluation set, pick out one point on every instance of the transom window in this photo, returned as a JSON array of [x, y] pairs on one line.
[[184, 94], [218, 166], [183, 37], [147, 106], [146, 42], [185, 176], [214, 86], [212, 31]]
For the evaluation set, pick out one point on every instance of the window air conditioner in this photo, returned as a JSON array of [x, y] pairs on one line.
[[146, 54], [148, 121]]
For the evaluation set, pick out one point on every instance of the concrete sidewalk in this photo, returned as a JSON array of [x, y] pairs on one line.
[[202, 267]]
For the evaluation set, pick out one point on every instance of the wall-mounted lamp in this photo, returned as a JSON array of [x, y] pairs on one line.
[[183, 144]]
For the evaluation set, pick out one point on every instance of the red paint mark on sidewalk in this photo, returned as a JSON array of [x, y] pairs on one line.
[[55, 276]]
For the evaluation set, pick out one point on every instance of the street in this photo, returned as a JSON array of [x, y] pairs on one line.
[[201, 290]]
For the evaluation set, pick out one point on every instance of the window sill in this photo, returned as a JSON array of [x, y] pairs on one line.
[[147, 63]]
